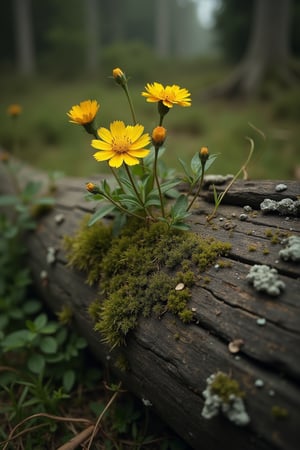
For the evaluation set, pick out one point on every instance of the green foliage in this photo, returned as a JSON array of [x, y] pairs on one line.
[[134, 272]]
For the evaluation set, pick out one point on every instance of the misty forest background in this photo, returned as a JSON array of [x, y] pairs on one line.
[[54, 54]]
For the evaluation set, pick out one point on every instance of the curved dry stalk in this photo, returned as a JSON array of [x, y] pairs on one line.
[[34, 416]]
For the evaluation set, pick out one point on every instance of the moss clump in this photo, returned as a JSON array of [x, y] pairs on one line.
[[138, 272], [225, 387], [278, 412]]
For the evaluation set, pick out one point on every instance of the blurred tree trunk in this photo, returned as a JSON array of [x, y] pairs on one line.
[[268, 54], [25, 51], [116, 19], [162, 28], [92, 18]]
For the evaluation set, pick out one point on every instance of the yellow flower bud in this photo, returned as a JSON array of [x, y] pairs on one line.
[[159, 136], [92, 188], [204, 154], [14, 110], [119, 76]]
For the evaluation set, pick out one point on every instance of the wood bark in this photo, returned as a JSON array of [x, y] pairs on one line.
[[169, 362]]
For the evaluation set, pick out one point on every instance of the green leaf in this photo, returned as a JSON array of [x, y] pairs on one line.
[[31, 189], [43, 201], [189, 178], [69, 380], [36, 363], [31, 306], [180, 226], [16, 339], [181, 205], [167, 185], [196, 164], [9, 200], [40, 321], [102, 212], [48, 345], [210, 160]]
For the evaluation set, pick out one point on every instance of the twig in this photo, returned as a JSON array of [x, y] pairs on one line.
[[78, 439]]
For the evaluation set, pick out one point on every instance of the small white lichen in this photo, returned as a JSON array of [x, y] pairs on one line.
[[280, 187], [233, 409], [292, 249], [265, 279], [51, 258]]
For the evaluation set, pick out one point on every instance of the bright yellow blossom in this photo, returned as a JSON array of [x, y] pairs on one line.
[[169, 95], [14, 110], [84, 113], [121, 144]]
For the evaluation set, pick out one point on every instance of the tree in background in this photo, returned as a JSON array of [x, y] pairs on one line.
[[23, 32], [268, 54]]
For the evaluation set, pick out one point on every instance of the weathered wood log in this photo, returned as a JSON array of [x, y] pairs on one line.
[[169, 362]]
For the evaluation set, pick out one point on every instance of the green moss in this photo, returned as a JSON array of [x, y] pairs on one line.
[[224, 387], [252, 248], [278, 412], [138, 272]]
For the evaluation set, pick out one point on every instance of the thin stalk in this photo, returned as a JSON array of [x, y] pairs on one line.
[[126, 90], [242, 169], [119, 206], [136, 191], [198, 190], [157, 182], [96, 428]]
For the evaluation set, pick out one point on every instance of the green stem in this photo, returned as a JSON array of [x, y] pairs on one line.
[[242, 169], [157, 182], [121, 208], [116, 177], [198, 190], [125, 87], [136, 191]]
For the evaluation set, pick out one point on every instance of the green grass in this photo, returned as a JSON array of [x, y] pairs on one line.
[[47, 140]]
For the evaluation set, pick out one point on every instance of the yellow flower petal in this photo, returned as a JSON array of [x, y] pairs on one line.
[[130, 160], [100, 145], [116, 160], [142, 142], [103, 156], [135, 132], [138, 153], [104, 134]]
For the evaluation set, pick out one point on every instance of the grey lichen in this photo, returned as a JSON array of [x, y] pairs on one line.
[[291, 250], [280, 187], [286, 206], [265, 279], [223, 394]]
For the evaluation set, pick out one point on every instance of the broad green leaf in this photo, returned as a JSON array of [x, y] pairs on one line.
[[69, 380], [9, 200], [40, 321], [36, 363], [48, 345], [196, 164], [31, 189], [102, 212]]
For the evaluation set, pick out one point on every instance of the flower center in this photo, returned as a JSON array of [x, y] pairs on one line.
[[121, 144]]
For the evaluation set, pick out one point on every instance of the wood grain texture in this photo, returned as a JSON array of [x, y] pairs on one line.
[[169, 361]]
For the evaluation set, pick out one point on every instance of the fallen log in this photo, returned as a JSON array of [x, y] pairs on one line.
[[168, 361]]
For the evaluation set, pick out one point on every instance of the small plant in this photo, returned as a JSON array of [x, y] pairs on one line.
[[144, 187]]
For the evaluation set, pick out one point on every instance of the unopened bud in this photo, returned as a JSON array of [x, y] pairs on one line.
[[159, 136], [119, 76], [203, 154], [92, 188]]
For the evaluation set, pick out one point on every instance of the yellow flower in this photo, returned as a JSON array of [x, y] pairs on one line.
[[84, 113], [169, 95], [14, 110], [159, 136], [121, 144]]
